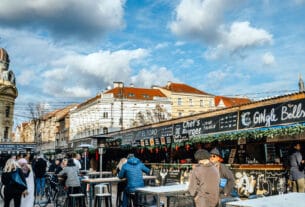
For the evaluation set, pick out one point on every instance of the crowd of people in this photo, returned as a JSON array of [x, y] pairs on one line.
[[210, 181], [24, 179]]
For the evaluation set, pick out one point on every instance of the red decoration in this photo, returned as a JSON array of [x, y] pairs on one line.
[[177, 147], [157, 150], [187, 147], [96, 155]]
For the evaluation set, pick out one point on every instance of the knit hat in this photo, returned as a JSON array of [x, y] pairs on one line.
[[215, 151], [22, 161], [202, 154]]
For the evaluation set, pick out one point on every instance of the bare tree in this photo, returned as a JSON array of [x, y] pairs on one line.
[[150, 116], [36, 112]]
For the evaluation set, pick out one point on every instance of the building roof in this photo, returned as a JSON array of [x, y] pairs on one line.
[[59, 113], [230, 101], [136, 93], [91, 100], [183, 88]]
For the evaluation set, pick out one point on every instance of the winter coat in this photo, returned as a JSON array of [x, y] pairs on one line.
[[28, 200], [72, 176], [295, 165], [10, 185], [204, 185], [40, 167], [133, 172], [226, 173]]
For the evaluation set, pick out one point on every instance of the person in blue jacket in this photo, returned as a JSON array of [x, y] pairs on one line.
[[132, 170]]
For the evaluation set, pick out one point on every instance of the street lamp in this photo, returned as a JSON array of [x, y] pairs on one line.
[[101, 152]]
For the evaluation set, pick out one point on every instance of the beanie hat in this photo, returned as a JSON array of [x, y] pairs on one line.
[[215, 151], [202, 154], [22, 161]]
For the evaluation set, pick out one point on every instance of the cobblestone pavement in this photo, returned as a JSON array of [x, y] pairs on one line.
[[113, 199]]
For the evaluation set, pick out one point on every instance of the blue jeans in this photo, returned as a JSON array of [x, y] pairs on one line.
[[40, 184], [125, 199]]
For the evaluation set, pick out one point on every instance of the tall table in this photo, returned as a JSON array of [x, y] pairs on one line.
[[159, 191], [109, 180], [290, 199]]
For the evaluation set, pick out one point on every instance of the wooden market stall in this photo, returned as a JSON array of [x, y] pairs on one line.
[[254, 140]]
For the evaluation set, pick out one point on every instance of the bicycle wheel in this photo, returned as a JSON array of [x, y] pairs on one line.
[[2, 191]]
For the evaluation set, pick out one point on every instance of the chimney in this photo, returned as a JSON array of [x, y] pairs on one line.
[[301, 84], [168, 84], [118, 84], [155, 87]]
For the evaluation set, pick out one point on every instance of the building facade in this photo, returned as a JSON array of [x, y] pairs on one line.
[[8, 94], [116, 109]]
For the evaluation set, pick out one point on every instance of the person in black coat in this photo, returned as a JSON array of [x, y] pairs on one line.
[[40, 168], [13, 188]]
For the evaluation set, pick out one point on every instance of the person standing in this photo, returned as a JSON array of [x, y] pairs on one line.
[[72, 181], [121, 185], [76, 159], [14, 183], [40, 168], [297, 169], [28, 200], [204, 181], [226, 176], [132, 170]]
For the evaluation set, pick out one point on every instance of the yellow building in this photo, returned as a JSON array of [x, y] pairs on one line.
[[8, 94], [187, 100]]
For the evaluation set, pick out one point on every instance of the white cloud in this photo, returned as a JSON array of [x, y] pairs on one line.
[[185, 63], [76, 91], [206, 24], [299, 2], [154, 76], [90, 71], [82, 19], [242, 35], [179, 43], [161, 45], [26, 77], [268, 59], [199, 19], [219, 79]]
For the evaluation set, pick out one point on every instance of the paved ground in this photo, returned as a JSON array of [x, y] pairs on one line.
[[114, 189], [114, 193]]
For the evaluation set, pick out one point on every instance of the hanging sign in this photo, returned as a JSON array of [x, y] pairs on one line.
[[271, 115]]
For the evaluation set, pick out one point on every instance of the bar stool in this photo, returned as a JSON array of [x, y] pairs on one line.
[[77, 199], [102, 194], [99, 198], [132, 200]]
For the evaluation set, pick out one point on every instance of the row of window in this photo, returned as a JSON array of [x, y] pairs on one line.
[[179, 102]]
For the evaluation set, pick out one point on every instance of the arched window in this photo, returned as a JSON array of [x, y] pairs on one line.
[[7, 111], [105, 130]]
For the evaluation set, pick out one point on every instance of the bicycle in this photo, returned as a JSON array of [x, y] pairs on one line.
[[54, 192], [1, 191]]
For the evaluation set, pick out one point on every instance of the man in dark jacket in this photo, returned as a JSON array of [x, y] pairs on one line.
[[297, 169], [226, 176], [133, 172], [40, 168]]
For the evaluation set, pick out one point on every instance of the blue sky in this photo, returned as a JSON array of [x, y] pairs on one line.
[[64, 50]]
